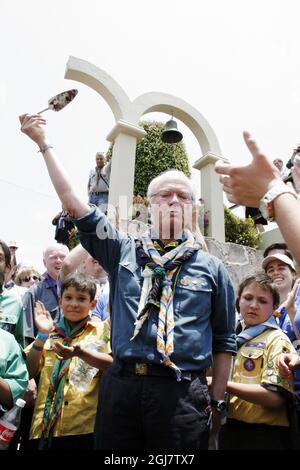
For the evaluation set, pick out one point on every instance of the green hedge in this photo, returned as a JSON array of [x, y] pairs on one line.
[[241, 231]]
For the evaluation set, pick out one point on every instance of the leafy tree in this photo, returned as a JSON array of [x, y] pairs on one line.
[[153, 157], [241, 231]]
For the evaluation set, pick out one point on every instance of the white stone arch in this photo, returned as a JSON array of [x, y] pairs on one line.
[[126, 133], [97, 79]]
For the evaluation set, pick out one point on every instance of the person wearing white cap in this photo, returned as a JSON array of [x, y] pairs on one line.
[[281, 269]]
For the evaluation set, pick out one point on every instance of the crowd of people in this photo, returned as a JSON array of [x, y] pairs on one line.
[[180, 358]]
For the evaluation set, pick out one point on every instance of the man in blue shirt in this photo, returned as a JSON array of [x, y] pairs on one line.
[[172, 317]]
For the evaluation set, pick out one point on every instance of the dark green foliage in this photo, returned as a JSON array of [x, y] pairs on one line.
[[241, 231], [154, 156]]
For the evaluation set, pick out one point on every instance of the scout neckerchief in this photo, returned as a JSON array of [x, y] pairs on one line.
[[249, 333], [157, 294], [54, 400]]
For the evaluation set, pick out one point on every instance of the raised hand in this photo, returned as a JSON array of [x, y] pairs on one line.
[[287, 363], [32, 125], [42, 318], [246, 185]]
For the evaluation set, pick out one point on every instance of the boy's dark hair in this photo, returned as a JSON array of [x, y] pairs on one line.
[[7, 255], [264, 281], [80, 282], [278, 246]]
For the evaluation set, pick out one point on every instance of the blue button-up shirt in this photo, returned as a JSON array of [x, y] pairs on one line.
[[41, 291], [204, 313]]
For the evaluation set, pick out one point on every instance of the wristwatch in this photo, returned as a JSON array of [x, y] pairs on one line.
[[219, 405], [266, 206]]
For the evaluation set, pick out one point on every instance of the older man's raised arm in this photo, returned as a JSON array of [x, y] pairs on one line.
[[34, 127]]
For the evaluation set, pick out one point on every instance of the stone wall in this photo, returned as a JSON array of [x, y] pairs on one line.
[[240, 261]]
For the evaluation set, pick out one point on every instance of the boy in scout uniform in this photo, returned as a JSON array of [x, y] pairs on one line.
[[259, 395]]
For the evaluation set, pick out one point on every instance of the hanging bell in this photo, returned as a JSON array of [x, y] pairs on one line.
[[171, 135]]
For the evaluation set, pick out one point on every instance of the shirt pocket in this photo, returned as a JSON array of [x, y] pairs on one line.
[[193, 296], [130, 279], [252, 362]]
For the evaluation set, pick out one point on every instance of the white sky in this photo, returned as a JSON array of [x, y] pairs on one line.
[[237, 62]]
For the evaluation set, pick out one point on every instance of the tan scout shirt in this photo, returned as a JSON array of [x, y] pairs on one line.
[[79, 408], [256, 363]]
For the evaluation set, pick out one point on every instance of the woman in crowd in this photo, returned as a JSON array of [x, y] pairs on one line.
[[27, 276]]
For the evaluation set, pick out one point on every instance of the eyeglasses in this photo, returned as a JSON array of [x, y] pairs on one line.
[[165, 195], [33, 276]]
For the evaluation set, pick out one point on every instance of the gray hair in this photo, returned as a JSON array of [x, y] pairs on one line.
[[170, 175], [57, 247]]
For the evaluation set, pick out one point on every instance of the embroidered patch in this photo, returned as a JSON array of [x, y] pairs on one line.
[[249, 364], [275, 379], [185, 281], [252, 344]]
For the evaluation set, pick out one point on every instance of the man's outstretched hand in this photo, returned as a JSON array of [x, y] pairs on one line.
[[246, 185]]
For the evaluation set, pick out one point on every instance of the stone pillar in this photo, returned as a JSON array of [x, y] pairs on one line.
[[212, 195], [124, 137]]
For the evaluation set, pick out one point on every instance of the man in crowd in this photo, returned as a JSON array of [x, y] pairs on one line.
[[172, 317], [45, 290], [98, 183]]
